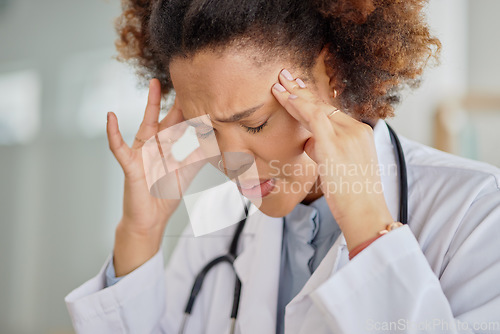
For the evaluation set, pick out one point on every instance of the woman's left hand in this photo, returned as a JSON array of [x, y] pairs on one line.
[[344, 150]]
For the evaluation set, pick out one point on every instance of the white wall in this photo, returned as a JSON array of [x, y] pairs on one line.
[[470, 64], [61, 193], [484, 74], [52, 232], [449, 22], [484, 46]]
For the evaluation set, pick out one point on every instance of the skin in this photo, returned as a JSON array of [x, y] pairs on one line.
[[298, 133], [222, 86]]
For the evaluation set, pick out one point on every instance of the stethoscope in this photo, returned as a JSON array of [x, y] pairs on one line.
[[231, 255]]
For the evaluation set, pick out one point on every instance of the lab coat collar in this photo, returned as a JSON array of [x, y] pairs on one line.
[[258, 265], [258, 269]]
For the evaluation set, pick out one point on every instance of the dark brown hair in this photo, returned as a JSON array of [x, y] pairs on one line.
[[376, 47]]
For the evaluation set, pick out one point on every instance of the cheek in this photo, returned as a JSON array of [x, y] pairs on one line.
[[285, 144]]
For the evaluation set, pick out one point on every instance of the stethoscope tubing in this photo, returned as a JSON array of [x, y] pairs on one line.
[[227, 258], [403, 177]]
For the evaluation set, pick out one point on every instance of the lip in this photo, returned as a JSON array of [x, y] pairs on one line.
[[260, 190], [249, 184]]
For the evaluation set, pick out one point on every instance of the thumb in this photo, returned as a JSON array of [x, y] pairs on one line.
[[309, 148]]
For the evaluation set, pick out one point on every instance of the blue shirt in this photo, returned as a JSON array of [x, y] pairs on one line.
[[309, 231]]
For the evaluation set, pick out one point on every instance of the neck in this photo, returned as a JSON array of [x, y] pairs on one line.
[[371, 121], [313, 195]]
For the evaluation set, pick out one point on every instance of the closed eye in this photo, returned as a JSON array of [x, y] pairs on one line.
[[256, 129], [252, 130], [204, 135]]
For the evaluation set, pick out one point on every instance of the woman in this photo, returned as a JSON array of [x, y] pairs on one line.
[[315, 79]]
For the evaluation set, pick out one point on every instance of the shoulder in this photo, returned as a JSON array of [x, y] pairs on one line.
[[440, 167], [449, 198]]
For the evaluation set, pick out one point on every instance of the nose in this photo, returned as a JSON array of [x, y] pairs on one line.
[[237, 163], [237, 156]]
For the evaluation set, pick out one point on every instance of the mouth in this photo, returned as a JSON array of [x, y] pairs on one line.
[[256, 188]]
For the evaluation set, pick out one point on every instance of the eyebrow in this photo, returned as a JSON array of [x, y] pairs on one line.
[[233, 118]]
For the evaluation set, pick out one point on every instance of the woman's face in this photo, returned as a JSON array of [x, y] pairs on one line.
[[222, 85]]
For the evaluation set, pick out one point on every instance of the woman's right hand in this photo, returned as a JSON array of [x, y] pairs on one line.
[[140, 231]]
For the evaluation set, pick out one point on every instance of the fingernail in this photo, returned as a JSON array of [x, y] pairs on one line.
[[279, 88], [301, 83], [287, 74], [292, 96]]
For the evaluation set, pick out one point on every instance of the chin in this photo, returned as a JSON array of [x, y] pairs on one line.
[[278, 205]]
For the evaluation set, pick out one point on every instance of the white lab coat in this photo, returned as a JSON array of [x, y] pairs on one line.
[[439, 273]]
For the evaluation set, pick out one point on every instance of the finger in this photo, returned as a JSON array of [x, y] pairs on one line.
[[167, 137], [173, 116], [149, 125], [282, 95], [298, 89], [298, 92], [305, 109], [176, 124], [154, 104], [194, 158], [190, 170], [117, 145], [295, 86]]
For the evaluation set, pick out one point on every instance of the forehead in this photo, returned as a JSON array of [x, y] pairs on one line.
[[222, 84]]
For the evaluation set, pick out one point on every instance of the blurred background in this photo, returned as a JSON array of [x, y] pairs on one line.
[[60, 187]]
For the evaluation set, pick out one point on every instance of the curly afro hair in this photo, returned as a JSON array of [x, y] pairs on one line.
[[376, 47]]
